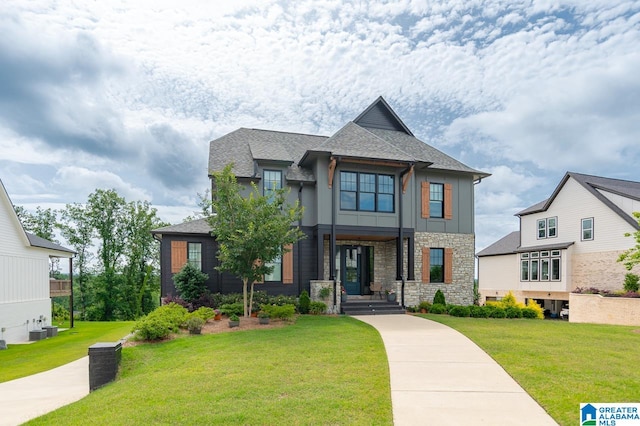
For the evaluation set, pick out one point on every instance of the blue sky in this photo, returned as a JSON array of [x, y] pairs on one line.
[[127, 95]]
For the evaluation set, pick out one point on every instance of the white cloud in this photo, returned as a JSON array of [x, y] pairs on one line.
[[82, 181]]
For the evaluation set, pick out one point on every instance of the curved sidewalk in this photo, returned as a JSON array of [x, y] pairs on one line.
[[439, 376], [32, 396]]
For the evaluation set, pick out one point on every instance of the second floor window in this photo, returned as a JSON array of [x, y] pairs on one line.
[[272, 181], [194, 255], [436, 199], [366, 192], [547, 228], [587, 229]]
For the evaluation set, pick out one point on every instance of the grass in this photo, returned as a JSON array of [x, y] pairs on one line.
[[69, 345], [560, 364], [321, 370]]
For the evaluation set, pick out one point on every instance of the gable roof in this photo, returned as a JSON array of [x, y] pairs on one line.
[[377, 134], [593, 184], [196, 227], [28, 238]]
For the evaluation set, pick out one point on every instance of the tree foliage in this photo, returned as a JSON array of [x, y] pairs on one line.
[[190, 282], [631, 257], [251, 231]]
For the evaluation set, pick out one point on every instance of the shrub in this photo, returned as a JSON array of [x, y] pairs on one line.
[[438, 308], [513, 312], [190, 282], [284, 312], [324, 292], [509, 300], [631, 282], [234, 317], [153, 328], [194, 323], [229, 309], [439, 298], [317, 308], [303, 302], [533, 305], [59, 312], [460, 311], [497, 312], [478, 311], [424, 305], [173, 313], [204, 312], [529, 313]]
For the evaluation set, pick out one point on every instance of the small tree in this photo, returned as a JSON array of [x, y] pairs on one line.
[[190, 282], [631, 257], [631, 282], [439, 298], [251, 231]]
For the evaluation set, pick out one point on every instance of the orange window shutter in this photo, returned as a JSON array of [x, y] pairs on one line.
[[178, 255], [426, 195], [287, 265], [448, 201], [448, 265], [426, 265]]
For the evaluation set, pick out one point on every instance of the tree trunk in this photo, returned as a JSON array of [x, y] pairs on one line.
[[251, 298], [244, 296]]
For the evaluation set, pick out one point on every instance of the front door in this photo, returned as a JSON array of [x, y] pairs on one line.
[[351, 269]]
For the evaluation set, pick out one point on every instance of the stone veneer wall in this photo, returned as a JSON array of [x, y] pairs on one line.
[[593, 308], [460, 291], [601, 270], [316, 286]]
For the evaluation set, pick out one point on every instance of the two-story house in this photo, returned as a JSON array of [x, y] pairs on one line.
[[380, 206], [573, 239]]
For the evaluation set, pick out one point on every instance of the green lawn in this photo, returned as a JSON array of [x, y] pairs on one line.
[[321, 370], [69, 345], [560, 364]]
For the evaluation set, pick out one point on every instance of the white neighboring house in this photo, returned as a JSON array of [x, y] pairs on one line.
[[24, 275], [573, 239]]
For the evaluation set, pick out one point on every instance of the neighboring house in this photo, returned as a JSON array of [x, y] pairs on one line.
[[25, 287], [380, 206], [573, 239]]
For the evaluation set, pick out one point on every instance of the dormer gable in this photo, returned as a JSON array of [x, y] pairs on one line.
[[379, 115]]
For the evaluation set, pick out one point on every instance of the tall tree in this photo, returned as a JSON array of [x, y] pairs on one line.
[[76, 227], [251, 231], [204, 203]]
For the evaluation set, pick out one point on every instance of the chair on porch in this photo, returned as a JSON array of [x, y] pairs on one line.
[[376, 288]]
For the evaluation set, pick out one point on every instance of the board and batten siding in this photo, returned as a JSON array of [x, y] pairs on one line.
[[572, 204]]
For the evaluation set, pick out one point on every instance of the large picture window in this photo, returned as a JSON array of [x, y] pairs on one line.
[[368, 192], [540, 266], [436, 261]]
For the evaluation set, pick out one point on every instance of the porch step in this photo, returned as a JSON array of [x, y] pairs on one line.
[[355, 307]]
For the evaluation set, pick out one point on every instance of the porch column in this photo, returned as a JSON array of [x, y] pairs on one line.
[[320, 254], [399, 259]]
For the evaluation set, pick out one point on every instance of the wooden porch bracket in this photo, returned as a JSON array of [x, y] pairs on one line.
[[405, 179], [332, 170]]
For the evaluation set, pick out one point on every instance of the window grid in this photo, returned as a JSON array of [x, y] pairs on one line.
[[194, 255], [367, 192], [540, 266], [436, 200]]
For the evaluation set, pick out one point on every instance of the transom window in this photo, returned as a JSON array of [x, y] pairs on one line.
[[367, 192], [436, 274], [194, 254], [547, 228], [540, 266], [436, 200], [587, 229]]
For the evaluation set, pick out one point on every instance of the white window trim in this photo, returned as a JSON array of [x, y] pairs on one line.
[[582, 229]]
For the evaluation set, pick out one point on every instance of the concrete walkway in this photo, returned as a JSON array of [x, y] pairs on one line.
[[440, 377], [32, 396]]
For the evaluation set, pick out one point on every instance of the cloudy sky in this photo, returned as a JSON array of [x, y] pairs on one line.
[[127, 95]]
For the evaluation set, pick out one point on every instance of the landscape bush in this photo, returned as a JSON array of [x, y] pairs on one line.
[[204, 312], [533, 305], [284, 312], [529, 313], [59, 312], [513, 312], [438, 298], [478, 311], [460, 311], [497, 312], [190, 282], [161, 322], [229, 309], [438, 308], [304, 302], [317, 308], [424, 305]]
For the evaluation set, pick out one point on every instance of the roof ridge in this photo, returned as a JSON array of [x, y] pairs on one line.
[[284, 131]]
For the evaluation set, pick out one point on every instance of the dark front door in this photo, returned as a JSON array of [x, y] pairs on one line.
[[351, 269]]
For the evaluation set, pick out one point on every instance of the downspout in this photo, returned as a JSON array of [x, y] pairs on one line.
[[401, 236], [332, 249], [298, 243], [71, 296]]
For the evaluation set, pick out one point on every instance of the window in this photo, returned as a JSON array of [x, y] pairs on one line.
[[547, 228], [276, 274], [368, 192], [540, 266], [436, 200], [194, 254], [436, 260], [587, 229], [272, 181]]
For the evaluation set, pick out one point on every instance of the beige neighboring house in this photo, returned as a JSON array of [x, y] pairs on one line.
[[573, 239], [25, 287]]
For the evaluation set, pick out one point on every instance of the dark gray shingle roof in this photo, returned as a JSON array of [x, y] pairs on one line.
[[505, 245], [40, 242], [199, 227]]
